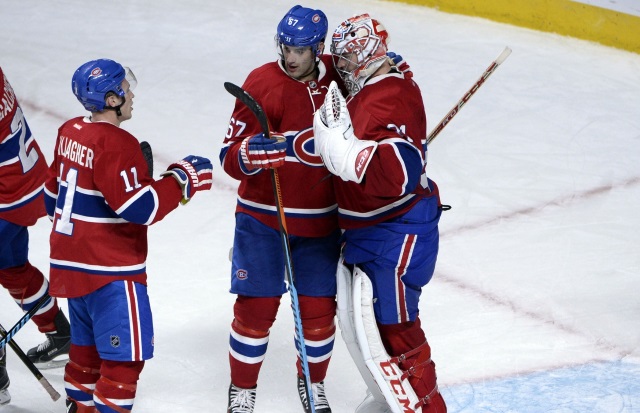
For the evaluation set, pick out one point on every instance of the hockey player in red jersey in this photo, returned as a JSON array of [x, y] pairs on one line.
[[23, 170], [375, 145], [101, 197], [289, 90]]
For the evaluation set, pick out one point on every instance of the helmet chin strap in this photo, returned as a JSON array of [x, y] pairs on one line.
[[117, 108]]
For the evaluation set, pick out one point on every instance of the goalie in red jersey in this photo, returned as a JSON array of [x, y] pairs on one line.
[[375, 146]]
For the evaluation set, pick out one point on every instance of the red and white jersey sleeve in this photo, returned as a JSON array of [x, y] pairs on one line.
[[309, 201], [23, 167], [102, 199], [388, 110]]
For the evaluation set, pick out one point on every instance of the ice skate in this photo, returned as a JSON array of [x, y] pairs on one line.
[[5, 397], [241, 400], [320, 402], [54, 352]]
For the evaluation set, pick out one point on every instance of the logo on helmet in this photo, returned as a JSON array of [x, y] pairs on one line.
[[96, 72]]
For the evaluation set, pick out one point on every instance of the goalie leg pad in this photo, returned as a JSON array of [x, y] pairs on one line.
[[392, 381], [347, 329], [408, 344]]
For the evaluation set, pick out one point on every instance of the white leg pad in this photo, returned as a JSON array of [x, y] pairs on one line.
[[347, 329], [387, 392]]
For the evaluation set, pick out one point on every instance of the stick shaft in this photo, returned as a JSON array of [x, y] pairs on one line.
[[453, 112], [32, 368]]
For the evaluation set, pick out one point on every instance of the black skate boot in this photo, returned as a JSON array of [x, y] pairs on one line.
[[54, 351], [241, 400], [320, 402], [5, 397]]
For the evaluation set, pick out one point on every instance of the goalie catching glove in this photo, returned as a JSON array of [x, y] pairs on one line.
[[260, 152], [342, 152], [193, 173]]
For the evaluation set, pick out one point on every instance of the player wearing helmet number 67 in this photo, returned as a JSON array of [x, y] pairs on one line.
[[375, 145], [101, 197], [289, 90]]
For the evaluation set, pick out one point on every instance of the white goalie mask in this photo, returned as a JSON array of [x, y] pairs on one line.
[[359, 48]]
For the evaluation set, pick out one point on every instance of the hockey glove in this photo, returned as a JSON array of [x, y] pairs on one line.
[[342, 152], [260, 152], [193, 173], [400, 64]]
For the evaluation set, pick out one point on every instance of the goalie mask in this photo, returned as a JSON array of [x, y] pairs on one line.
[[359, 47]]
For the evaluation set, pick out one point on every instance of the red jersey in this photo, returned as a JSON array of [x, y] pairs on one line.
[[307, 193], [390, 111], [23, 167], [102, 199]]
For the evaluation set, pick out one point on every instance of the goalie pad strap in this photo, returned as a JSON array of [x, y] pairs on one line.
[[404, 356], [418, 367], [427, 399]]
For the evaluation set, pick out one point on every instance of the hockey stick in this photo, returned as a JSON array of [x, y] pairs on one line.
[[26, 317], [34, 370], [148, 155], [250, 102], [492, 67]]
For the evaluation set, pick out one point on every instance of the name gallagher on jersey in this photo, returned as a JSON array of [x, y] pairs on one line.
[[8, 100], [75, 152]]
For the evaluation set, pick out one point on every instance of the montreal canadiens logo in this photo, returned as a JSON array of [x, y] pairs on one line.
[[96, 71], [316, 18], [242, 274], [303, 148]]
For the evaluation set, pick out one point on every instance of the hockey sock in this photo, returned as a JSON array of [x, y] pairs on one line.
[[407, 343], [116, 389], [319, 331], [27, 286], [81, 374], [249, 337]]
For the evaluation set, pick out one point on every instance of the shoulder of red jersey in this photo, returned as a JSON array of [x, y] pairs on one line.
[[8, 105], [265, 79], [392, 99]]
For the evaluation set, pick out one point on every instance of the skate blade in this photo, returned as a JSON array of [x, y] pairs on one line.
[[52, 364], [5, 397]]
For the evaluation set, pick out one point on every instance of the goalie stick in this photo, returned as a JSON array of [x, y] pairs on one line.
[[257, 110], [32, 368], [453, 112]]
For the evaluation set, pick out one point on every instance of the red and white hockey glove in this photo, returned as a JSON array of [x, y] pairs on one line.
[[400, 63], [260, 152], [342, 152], [193, 173]]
